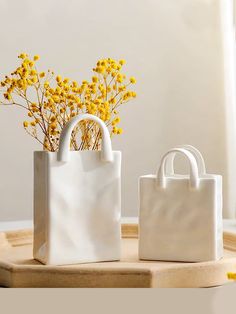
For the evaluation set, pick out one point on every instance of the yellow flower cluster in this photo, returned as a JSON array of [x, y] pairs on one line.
[[231, 276], [56, 100]]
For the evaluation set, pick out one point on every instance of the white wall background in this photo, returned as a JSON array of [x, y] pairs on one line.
[[163, 43]]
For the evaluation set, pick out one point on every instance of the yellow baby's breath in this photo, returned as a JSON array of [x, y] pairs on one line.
[[36, 58], [60, 99], [132, 80]]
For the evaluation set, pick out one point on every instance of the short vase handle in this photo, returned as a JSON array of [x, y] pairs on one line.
[[194, 173], [197, 155]]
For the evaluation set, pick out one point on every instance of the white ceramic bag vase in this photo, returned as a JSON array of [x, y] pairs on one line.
[[77, 201], [180, 216]]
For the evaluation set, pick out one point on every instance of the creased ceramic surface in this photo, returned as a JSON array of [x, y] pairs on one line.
[[179, 222], [77, 208]]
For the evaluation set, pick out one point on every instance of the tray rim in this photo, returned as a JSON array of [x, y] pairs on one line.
[[129, 230]]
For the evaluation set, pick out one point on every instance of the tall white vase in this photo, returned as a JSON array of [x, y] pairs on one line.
[[196, 63]]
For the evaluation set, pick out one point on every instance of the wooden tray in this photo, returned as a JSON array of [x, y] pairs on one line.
[[19, 269]]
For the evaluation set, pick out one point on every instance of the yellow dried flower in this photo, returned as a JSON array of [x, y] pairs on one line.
[[62, 99], [7, 96], [66, 80], [95, 79], [119, 131], [115, 130], [100, 69], [58, 78], [121, 88], [116, 121], [36, 57], [53, 125], [34, 79], [119, 78], [74, 84], [132, 80], [22, 56], [46, 84], [33, 72], [231, 275]]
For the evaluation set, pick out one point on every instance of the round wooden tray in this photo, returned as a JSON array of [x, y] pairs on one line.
[[19, 269]]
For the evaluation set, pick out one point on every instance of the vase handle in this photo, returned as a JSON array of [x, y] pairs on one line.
[[161, 178], [64, 144]]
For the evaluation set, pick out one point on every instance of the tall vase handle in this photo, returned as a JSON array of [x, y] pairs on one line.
[[64, 144]]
